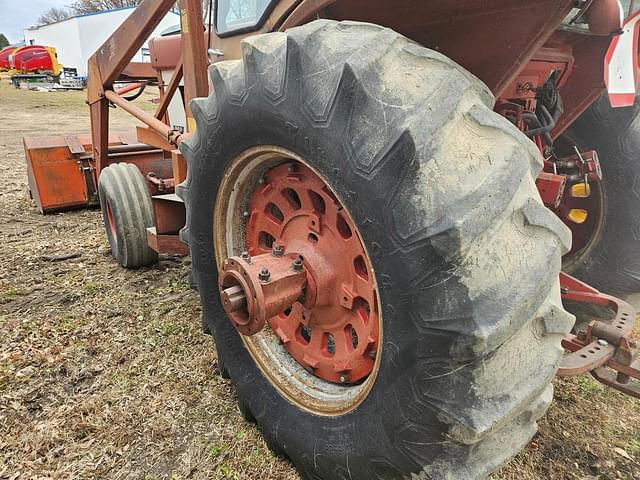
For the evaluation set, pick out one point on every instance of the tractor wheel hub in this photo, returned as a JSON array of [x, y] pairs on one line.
[[255, 289], [307, 275]]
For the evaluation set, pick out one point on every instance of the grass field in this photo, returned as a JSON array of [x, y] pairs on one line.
[[104, 372]]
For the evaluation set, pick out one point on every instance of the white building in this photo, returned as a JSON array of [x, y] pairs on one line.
[[77, 38]]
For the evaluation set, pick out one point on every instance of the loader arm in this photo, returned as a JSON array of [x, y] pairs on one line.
[[111, 59]]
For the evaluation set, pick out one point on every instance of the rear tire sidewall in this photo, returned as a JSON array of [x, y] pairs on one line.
[[408, 142], [287, 128]]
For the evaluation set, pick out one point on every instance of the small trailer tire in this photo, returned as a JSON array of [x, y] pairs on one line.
[[127, 212]]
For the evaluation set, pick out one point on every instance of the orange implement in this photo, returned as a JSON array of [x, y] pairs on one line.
[[61, 169]]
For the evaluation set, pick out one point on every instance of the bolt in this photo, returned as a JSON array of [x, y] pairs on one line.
[[297, 265], [277, 250], [262, 180], [264, 275], [623, 378], [372, 354], [343, 379], [603, 343], [246, 257], [245, 214], [292, 167]]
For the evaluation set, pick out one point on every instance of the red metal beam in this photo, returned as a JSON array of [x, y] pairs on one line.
[[116, 53], [99, 114], [194, 55], [106, 65], [138, 71], [162, 128]]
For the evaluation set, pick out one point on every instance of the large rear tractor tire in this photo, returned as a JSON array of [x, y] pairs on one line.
[[127, 212], [351, 133], [610, 260]]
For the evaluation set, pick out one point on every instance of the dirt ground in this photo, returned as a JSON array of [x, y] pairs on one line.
[[104, 373]]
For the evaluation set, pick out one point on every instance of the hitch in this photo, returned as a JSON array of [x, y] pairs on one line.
[[606, 347]]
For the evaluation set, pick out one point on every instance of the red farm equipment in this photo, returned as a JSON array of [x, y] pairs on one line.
[[35, 59], [378, 199], [30, 63], [5, 65]]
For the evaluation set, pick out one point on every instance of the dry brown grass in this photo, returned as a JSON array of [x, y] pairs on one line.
[[104, 372]]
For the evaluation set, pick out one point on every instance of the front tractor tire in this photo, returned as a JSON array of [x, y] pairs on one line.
[[440, 191], [127, 212]]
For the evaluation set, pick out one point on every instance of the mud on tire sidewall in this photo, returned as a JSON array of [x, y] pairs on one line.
[[398, 429], [258, 398]]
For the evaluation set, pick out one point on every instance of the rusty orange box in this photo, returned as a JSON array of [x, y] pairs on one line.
[[61, 170]]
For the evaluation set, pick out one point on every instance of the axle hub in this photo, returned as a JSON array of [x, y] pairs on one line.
[[307, 274], [255, 289]]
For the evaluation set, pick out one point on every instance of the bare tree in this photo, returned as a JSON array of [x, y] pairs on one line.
[[80, 7], [53, 15], [90, 6]]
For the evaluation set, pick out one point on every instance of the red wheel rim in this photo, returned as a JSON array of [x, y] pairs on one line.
[[334, 330], [111, 223]]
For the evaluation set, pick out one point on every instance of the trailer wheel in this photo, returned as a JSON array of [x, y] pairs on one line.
[[127, 212], [352, 135], [610, 259]]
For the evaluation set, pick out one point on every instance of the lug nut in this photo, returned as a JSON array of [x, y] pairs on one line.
[[292, 167], [264, 275], [343, 379], [261, 180], [297, 265], [246, 257], [278, 250], [245, 214], [372, 354]]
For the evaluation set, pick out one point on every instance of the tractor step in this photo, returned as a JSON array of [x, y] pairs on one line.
[[170, 217], [169, 212], [167, 244]]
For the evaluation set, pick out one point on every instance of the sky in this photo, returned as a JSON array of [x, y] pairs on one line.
[[20, 14]]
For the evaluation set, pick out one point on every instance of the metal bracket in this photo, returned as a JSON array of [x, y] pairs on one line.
[[607, 348]]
